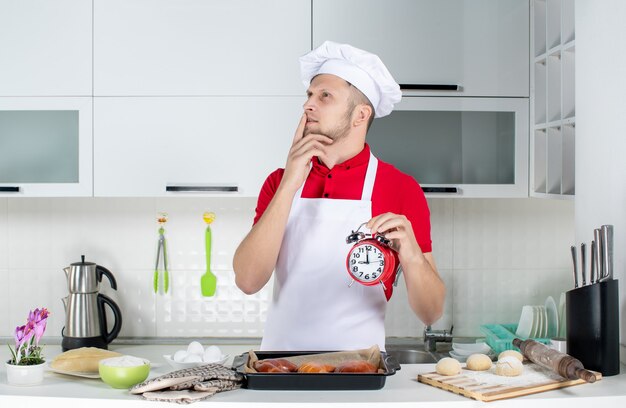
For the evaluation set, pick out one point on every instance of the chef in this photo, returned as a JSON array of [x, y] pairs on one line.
[[330, 185]]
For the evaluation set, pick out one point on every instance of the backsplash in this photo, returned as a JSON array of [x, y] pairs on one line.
[[494, 255]]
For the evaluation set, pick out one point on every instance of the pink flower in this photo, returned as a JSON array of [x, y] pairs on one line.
[[38, 319]]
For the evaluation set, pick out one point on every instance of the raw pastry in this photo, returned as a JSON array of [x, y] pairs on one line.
[[478, 362], [511, 353], [448, 366], [84, 359], [509, 366]]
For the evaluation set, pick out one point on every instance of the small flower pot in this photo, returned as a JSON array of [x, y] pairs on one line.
[[25, 374]]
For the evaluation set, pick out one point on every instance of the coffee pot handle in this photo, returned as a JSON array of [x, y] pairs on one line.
[[101, 270], [117, 313]]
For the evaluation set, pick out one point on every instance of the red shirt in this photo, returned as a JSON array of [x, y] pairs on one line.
[[394, 191]]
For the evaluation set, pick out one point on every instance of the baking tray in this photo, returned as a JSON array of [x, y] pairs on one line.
[[312, 381]]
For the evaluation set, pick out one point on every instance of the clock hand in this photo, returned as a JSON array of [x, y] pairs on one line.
[[367, 255]]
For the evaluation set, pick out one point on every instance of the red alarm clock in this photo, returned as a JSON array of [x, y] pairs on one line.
[[371, 260]]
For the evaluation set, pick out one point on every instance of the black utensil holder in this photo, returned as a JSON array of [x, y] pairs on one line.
[[593, 326]]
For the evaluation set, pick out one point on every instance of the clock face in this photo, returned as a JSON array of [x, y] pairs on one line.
[[366, 262]]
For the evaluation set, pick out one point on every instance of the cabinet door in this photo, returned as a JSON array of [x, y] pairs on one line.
[[470, 147], [45, 146], [143, 145], [200, 47], [45, 48], [479, 45]]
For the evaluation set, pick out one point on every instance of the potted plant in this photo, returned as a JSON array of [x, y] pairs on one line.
[[26, 365]]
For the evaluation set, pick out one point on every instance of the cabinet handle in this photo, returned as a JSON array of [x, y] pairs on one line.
[[447, 190], [201, 189], [9, 189], [430, 87]]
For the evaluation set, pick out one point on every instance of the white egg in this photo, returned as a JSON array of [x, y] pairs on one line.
[[195, 348], [212, 354], [180, 356], [192, 358]]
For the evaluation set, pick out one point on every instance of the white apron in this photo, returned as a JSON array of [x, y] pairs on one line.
[[313, 308]]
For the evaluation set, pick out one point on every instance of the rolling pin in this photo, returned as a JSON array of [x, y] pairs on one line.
[[561, 363]]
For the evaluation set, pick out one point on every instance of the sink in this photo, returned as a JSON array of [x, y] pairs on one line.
[[411, 356]]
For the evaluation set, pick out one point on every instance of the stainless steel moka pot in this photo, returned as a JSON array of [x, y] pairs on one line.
[[85, 314]]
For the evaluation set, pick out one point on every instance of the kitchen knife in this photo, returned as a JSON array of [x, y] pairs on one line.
[[592, 277], [607, 252], [597, 236], [583, 262], [573, 249]]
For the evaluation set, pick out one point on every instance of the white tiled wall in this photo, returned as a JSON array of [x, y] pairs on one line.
[[495, 255]]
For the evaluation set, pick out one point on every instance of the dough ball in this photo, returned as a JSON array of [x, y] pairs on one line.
[[511, 353], [448, 366], [509, 367], [478, 362]]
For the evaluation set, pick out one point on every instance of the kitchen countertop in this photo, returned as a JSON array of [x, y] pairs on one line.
[[401, 389]]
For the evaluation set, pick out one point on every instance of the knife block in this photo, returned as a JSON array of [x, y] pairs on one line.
[[593, 326]]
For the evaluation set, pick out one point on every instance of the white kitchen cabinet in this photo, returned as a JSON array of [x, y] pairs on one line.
[[552, 98], [481, 46], [45, 146], [145, 144], [458, 147], [199, 47], [45, 48]]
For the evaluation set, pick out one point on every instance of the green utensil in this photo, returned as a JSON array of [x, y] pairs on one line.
[[208, 281], [161, 257]]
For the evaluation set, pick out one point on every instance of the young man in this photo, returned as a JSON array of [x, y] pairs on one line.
[[330, 185]]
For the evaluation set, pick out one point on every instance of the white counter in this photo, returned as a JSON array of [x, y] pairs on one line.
[[401, 389]]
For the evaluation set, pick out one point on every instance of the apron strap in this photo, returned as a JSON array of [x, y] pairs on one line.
[[370, 177]]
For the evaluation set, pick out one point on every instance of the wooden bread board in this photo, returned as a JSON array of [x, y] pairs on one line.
[[491, 388]]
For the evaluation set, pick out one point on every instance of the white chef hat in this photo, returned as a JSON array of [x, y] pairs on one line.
[[362, 69]]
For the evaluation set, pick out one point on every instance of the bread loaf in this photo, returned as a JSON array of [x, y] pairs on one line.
[[313, 367], [275, 365], [356, 366], [83, 360]]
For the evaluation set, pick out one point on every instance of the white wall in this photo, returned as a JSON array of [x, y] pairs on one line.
[[495, 255], [600, 129]]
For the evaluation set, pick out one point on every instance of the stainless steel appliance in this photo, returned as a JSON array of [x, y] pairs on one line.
[[85, 314]]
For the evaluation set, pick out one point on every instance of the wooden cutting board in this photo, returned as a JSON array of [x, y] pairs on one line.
[[488, 386]]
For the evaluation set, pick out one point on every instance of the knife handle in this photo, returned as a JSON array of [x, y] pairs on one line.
[[607, 251], [575, 260], [597, 236], [592, 276], [583, 262]]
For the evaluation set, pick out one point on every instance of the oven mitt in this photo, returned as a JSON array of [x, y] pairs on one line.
[[179, 397], [187, 378], [219, 385]]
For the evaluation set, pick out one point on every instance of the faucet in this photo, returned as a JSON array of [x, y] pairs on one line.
[[432, 337]]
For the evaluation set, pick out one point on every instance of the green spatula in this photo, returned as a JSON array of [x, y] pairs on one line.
[[208, 281]]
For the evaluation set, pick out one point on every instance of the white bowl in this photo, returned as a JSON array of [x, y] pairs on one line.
[[178, 366]]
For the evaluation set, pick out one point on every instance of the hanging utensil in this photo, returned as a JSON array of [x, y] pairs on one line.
[[161, 257], [575, 260], [208, 281]]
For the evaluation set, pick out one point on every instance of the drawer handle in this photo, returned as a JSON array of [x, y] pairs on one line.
[[201, 189], [446, 190], [9, 189], [430, 87]]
